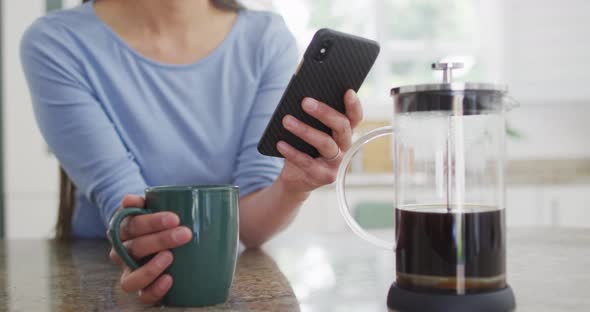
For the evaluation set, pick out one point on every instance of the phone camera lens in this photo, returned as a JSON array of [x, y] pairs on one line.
[[323, 50]]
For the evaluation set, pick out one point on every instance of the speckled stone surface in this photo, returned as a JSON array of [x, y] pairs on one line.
[[548, 268], [78, 277]]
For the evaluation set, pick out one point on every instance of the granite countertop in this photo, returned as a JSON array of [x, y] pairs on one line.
[[548, 269]]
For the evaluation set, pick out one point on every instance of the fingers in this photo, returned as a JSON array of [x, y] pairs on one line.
[[313, 168], [129, 200], [145, 235], [137, 226], [324, 143], [339, 123], [144, 225], [133, 201], [115, 258], [133, 281], [156, 291], [152, 243], [354, 110]]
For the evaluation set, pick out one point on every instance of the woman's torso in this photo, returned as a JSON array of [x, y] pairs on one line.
[[182, 124]]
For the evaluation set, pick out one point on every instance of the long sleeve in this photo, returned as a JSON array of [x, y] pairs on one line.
[[278, 59], [74, 124]]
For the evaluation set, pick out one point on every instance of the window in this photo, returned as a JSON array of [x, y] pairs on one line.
[[412, 34]]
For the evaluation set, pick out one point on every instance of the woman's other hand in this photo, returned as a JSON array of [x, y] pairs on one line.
[[303, 173], [149, 235]]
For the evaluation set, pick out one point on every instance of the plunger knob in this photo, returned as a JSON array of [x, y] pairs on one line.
[[447, 68]]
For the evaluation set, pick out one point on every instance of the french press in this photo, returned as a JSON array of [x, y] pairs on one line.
[[450, 238]]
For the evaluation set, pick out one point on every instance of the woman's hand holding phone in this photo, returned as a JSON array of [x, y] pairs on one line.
[[301, 172]]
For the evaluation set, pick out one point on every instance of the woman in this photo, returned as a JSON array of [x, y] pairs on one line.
[[134, 93]]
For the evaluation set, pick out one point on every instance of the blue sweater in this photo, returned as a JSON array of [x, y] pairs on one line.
[[119, 122]]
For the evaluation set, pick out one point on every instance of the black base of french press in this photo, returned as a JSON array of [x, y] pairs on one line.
[[403, 300]]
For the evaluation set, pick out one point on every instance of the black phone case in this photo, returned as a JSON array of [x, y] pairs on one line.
[[345, 67]]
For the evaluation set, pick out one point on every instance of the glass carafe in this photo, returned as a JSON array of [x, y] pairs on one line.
[[448, 147]]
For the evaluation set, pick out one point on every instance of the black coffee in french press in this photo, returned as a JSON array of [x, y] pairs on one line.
[[428, 257]]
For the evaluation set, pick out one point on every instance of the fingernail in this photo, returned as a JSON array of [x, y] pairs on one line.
[[181, 235], [169, 220], [282, 146], [352, 97], [163, 260], [164, 283], [290, 122], [309, 104]]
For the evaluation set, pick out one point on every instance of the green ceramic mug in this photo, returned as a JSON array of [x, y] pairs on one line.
[[202, 269]]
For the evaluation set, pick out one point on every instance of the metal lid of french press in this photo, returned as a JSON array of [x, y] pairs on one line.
[[447, 83], [464, 98]]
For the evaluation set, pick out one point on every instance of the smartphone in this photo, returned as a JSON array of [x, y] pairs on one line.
[[333, 63]]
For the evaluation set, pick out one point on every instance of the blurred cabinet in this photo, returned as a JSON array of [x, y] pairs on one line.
[[523, 206], [320, 213], [527, 205], [549, 205], [376, 156], [567, 206]]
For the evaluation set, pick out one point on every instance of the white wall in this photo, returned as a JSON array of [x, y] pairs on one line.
[[546, 49], [544, 60], [30, 172]]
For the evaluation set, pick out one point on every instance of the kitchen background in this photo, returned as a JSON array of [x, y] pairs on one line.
[[539, 48]]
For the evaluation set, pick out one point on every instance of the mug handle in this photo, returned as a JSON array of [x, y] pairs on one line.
[[115, 233], [341, 188]]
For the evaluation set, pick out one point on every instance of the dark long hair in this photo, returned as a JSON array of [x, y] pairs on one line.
[[231, 5], [67, 189]]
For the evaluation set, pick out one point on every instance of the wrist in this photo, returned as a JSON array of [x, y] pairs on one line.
[[284, 188]]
